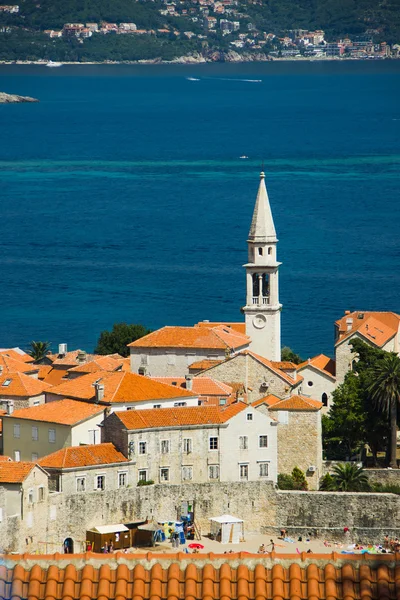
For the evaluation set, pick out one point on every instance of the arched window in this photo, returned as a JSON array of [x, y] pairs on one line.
[[324, 399], [256, 285], [269, 250], [265, 285], [260, 251]]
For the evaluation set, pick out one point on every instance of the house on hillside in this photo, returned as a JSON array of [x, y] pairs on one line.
[[319, 379]]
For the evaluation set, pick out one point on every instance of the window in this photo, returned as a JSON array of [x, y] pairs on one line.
[[36, 403], [122, 479], [260, 251], [310, 383], [17, 431], [249, 417], [30, 496], [324, 399], [17, 455], [144, 359], [171, 359], [156, 405], [164, 446], [41, 494], [269, 250], [187, 445], [213, 472], [243, 442], [100, 482], [52, 436], [222, 401], [164, 474], [81, 484], [35, 434], [6, 382], [143, 475], [187, 473], [244, 472], [263, 469], [263, 441], [213, 443], [180, 403], [142, 447], [35, 456]]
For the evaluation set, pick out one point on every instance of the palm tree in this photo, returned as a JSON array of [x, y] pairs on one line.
[[385, 393], [39, 350], [348, 477]]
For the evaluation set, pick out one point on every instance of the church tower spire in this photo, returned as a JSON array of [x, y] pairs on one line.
[[263, 310]]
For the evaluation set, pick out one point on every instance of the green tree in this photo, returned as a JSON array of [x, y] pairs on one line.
[[295, 481], [327, 483], [116, 340], [348, 477], [289, 355], [385, 394], [38, 350]]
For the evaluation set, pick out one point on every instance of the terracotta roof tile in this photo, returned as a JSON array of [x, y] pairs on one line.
[[17, 354], [220, 337], [55, 376], [70, 359], [200, 365], [83, 456], [181, 416], [14, 472], [321, 362], [297, 403], [239, 327], [64, 412], [377, 327], [100, 363], [12, 365], [44, 370], [201, 386], [19, 384], [239, 576]]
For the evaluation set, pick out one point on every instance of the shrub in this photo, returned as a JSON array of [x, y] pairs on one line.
[[149, 482], [295, 481]]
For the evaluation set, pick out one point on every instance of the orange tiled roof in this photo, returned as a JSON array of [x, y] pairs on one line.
[[14, 472], [71, 358], [55, 376], [21, 385], [178, 417], [100, 363], [17, 354], [322, 363], [220, 337], [12, 365], [43, 371], [239, 327], [83, 456], [63, 412], [269, 400], [201, 386], [376, 327], [4, 458], [239, 576], [200, 365], [297, 403], [119, 386]]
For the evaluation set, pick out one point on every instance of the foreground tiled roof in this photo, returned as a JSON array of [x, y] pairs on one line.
[[119, 387], [292, 403], [321, 362], [64, 412], [219, 338], [83, 456], [14, 472], [100, 363], [12, 365], [176, 417], [376, 327], [17, 354], [201, 386], [19, 384], [55, 376], [241, 576]]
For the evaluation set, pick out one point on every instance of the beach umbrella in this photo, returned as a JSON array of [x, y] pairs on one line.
[[196, 546]]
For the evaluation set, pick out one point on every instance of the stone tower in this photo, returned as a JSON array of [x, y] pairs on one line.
[[263, 310]]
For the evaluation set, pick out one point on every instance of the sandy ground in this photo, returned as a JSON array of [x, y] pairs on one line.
[[252, 544]]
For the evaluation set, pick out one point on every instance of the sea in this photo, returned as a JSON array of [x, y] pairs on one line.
[[125, 197]]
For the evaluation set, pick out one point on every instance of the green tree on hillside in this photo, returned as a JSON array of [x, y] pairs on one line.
[[116, 340]]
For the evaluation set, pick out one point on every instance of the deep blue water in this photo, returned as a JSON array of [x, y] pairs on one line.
[[123, 197]]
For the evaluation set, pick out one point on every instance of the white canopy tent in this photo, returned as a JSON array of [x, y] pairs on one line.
[[227, 529]]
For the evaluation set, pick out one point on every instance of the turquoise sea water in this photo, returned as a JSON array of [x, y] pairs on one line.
[[123, 197]]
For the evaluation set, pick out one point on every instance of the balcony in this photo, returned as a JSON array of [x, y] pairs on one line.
[[259, 300]]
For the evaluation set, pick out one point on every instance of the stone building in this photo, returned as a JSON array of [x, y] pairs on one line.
[[30, 433], [299, 435], [122, 390], [263, 309], [197, 444], [169, 352], [258, 375], [81, 469], [378, 329], [319, 380]]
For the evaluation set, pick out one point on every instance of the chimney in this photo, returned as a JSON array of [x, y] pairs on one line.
[[10, 407], [62, 350], [349, 324], [346, 312], [99, 391], [81, 357], [189, 382]]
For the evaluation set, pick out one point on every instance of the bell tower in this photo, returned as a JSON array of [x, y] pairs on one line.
[[263, 310]]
